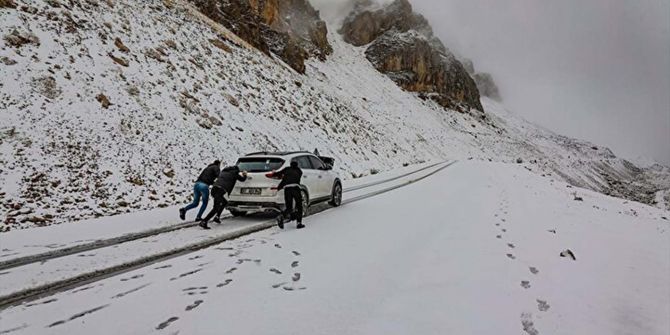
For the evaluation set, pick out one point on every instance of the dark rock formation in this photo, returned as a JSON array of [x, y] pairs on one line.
[[291, 29], [485, 83], [487, 87], [402, 46]]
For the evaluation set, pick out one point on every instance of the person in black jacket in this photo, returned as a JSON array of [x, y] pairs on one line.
[[290, 183], [223, 186], [201, 189]]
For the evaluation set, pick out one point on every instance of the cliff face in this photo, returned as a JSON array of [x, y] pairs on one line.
[[402, 46], [487, 86], [291, 29]]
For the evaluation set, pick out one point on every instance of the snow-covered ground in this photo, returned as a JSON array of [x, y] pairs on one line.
[[184, 91], [474, 249], [55, 238]]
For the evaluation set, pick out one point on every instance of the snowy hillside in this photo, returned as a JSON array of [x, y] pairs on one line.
[[115, 106]]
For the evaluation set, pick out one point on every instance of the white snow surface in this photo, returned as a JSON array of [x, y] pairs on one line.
[[474, 249]]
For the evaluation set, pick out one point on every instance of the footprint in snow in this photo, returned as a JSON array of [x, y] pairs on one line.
[[275, 271], [542, 305], [194, 305], [231, 270], [279, 285], [534, 270], [504, 230], [296, 253], [277, 245], [511, 256], [294, 264], [528, 325], [226, 282], [166, 323], [525, 284], [133, 277], [186, 274], [296, 276], [289, 288], [40, 303], [498, 236], [511, 245]]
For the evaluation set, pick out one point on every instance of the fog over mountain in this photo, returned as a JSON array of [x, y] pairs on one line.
[[597, 70]]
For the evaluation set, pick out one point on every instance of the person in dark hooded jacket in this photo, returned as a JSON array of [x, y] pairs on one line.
[[201, 190], [223, 186], [290, 183]]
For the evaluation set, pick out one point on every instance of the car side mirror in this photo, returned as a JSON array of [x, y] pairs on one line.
[[327, 168]]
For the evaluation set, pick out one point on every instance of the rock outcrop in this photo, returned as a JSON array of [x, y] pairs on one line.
[[487, 86], [290, 29], [401, 45]]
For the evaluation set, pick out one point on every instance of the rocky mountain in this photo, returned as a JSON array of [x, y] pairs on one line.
[[114, 106], [290, 29], [400, 43], [485, 83]]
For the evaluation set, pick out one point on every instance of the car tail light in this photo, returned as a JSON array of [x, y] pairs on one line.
[[272, 175]]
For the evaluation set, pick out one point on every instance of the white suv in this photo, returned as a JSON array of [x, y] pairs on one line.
[[259, 192]]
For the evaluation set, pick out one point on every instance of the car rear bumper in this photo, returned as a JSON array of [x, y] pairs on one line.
[[254, 206]]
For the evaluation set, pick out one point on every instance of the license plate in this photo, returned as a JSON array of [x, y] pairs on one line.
[[251, 191]]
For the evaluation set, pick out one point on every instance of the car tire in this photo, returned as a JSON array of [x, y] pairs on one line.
[[336, 195], [237, 213]]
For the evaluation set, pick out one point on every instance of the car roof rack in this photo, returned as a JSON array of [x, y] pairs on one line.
[[277, 153]]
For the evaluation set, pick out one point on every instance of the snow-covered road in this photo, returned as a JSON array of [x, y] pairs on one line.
[[472, 250], [42, 275]]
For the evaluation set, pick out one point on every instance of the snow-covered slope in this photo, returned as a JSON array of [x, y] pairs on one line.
[[183, 91], [478, 253]]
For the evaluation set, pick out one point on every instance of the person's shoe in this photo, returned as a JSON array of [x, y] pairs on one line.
[[198, 219], [217, 220], [300, 226], [204, 225], [280, 221], [182, 214]]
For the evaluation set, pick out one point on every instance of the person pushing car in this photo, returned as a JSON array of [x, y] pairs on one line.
[[290, 183], [222, 187], [201, 190]]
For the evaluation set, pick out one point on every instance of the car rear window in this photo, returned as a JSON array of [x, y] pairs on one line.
[[316, 163], [303, 162], [259, 164]]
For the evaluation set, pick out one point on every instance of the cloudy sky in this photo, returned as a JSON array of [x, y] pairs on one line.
[[592, 69]]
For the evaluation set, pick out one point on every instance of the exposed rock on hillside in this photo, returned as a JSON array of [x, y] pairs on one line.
[[485, 83], [291, 29], [402, 45], [487, 87]]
